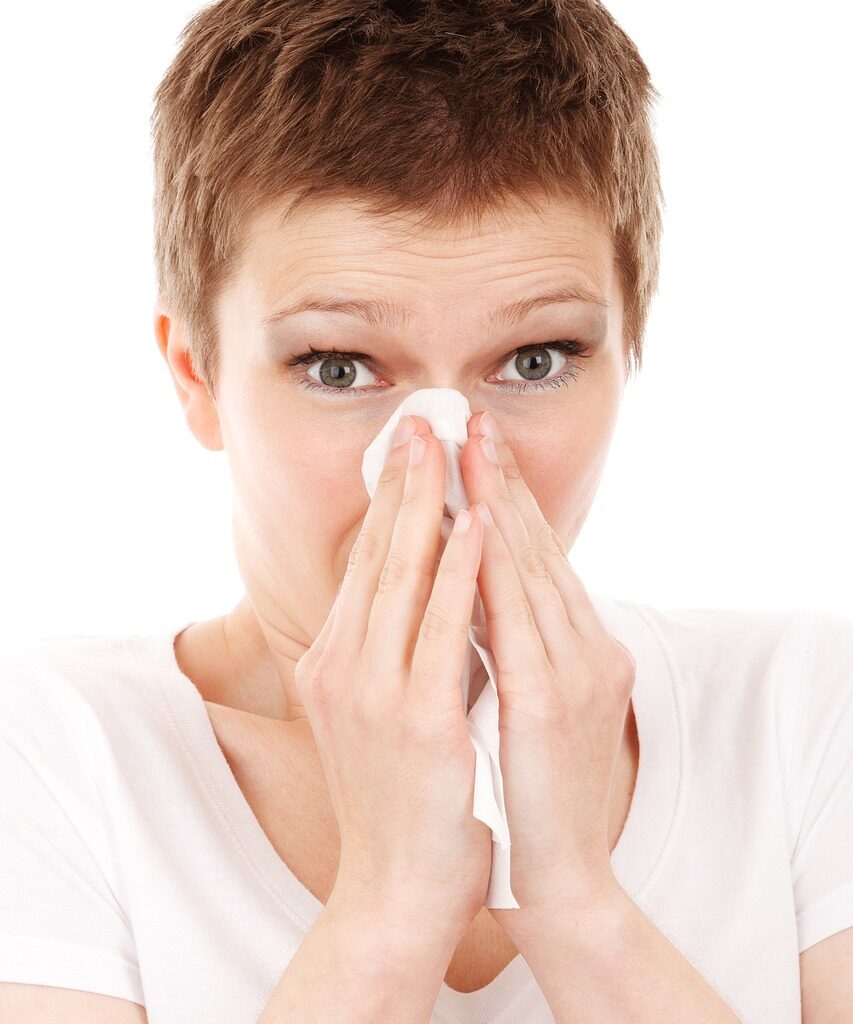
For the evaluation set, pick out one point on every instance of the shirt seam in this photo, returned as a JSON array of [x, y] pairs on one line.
[[223, 816], [671, 661], [828, 898], [791, 780], [93, 951]]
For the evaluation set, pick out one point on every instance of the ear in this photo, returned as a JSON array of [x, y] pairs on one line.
[[199, 408]]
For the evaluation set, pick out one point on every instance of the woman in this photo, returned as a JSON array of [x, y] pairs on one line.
[[267, 816]]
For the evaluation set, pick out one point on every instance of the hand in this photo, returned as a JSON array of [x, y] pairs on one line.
[[564, 684], [381, 686]]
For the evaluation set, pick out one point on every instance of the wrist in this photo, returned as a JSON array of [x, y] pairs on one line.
[[588, 909], [396, 924]]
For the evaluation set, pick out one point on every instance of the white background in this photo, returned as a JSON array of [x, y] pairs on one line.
[[729, 479]]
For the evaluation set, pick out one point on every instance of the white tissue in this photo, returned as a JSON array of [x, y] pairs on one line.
[[448, 412]]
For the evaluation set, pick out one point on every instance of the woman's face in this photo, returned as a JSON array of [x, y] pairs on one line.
[[295, 435]]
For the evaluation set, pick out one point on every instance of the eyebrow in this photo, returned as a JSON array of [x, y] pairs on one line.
[[379, 311]]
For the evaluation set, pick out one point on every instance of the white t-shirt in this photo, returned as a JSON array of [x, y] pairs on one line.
[[132, 865]]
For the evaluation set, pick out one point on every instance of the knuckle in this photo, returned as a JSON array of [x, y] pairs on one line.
[[523, 609], [502, 557], [532, 564], [429, 725], [510, 468], [456, 569], [364, 550], [394, 571], [438, 625], [410, 495], [412, 732], [392, 471], [318, 688], [380, 659], [398, 569], [511, 607], [519, 608], [367, 708], [621, 668], [505, 498], [546, 538]]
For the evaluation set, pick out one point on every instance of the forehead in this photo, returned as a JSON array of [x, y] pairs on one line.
[[341, 243]]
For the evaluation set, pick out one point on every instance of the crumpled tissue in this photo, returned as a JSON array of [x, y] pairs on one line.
[[448, 412]]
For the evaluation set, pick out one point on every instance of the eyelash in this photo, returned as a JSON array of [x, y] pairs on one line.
[[569, 348]]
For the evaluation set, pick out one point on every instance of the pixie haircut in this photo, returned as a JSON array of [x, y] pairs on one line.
[[434, 110]]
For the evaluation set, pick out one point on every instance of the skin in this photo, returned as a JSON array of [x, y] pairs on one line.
[[292, 543]]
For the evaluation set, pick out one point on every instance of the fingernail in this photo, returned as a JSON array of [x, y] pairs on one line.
[[488, 449], [405, 429], [416, 450], [483, 513], [462, 521], [489, 426]]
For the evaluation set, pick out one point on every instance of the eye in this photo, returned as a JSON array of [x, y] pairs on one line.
[[530, 360], [339, 370]]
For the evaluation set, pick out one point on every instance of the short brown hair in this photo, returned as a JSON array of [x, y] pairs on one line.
[[435, 108]]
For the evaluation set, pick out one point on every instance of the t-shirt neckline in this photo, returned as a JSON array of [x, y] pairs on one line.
[[636, 857]]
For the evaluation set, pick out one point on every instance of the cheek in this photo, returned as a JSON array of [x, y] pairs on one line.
[[559, 484], [563, 469], [303, 499]]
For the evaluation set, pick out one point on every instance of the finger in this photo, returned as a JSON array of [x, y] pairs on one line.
[[580, 610], [370, 550], [513, 631], [524, 568], [408, 574], [306, 664], [442, 642]]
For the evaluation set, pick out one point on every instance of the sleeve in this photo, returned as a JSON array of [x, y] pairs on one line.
[[822, 860], [60, 921]]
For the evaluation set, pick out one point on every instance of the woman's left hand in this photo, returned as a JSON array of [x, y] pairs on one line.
[[564, 685]]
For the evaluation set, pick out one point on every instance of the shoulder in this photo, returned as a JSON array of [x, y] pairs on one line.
[[789, 670], [699, 643], [739, 630], [825, 704], [797, 644], [830, 636], [64, 919], [731, 644], [750, 668], [91, 691]]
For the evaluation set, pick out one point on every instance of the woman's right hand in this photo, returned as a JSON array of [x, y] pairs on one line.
[[381, 686]]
